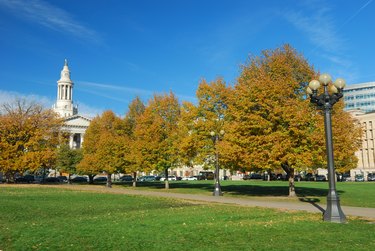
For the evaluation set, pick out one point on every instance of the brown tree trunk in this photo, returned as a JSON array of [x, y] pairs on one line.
[[290, 174], [134, 179], [91, 179], [292, 191], [69, 179], [109, 181], [166, 179]]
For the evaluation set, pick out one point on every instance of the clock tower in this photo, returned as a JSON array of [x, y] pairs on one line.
[[64, 103]]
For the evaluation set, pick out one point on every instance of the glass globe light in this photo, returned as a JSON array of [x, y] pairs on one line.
[[314, 84], [339, 83], [325, 78]]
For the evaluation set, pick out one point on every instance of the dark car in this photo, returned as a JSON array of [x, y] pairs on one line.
[[63, 179], [346, 177], [206, 175], [100, 179], [79, 179], [25, 179], [359, 178], [309, 177], [371, 177], [147, 178], [51, 180], [126, 178], [253, 176], [320, 178]]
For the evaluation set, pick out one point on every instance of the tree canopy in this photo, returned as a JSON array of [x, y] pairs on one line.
[[29, 137], [156, 134]]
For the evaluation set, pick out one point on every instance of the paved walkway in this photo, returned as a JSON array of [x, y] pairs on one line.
[[309, 206]]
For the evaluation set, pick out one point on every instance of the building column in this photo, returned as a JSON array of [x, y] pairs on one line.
[[71, 139]]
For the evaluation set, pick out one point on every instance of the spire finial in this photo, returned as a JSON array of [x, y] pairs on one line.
[[66, 62]]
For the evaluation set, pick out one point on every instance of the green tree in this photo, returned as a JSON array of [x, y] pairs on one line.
[[29, 137], [67, 159]]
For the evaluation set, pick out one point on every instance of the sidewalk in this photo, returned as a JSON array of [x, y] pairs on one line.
[[308, 206]]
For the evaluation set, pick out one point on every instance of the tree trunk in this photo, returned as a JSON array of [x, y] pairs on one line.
[[292, 192], [91, 179], [290, 174], [109, 181], [69, 179], [134, 179], [166, 179]]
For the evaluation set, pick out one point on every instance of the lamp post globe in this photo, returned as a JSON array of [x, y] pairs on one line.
[[325, 102]]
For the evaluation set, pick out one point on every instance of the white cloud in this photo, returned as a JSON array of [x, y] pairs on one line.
[[50, 16], [318, 26], [9, 97], [126, 93], [112, 87]]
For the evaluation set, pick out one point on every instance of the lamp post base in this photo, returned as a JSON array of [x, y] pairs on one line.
[[333, 212], [217, 190]]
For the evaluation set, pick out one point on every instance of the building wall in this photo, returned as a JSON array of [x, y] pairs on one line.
[[360, 96], [366, 154]]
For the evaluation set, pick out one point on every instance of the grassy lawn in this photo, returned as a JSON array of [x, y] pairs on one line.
[[358, 194], [38, 218]]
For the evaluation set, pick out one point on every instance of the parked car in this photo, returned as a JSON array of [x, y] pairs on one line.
[[371, 177], [320, 178], [147, 178], [51, 180], [253, 176], [126, 178], [346, 177], [359, 178], [190, 178], [297, 177], [206, 175], [170, 177], [309, 177], [100, 179], [25, 179], [63, 179], [79, 179]]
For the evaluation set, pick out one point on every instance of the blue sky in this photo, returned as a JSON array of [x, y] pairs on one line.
[[118, 49]]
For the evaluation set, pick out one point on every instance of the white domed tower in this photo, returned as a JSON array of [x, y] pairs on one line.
[[64, 103]]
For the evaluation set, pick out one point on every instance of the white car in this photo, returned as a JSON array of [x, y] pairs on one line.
[[190, 178], [170, 177]]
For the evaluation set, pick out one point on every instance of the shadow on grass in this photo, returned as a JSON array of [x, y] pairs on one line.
[[304, 193]]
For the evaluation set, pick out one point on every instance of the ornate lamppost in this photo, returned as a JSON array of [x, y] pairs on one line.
[[215, 139], [325, 102]]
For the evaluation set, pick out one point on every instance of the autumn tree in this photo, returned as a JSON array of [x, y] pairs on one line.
[[271, 120], [67, 159], [347, 139], [105, 147], [29, 137], [189, 140], [156, 132], [211, 114], [136, 109]]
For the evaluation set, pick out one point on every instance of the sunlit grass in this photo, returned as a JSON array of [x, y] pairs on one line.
[[41, 218]]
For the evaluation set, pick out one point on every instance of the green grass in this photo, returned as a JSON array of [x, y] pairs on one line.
[[41, 218], [358, 194]]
